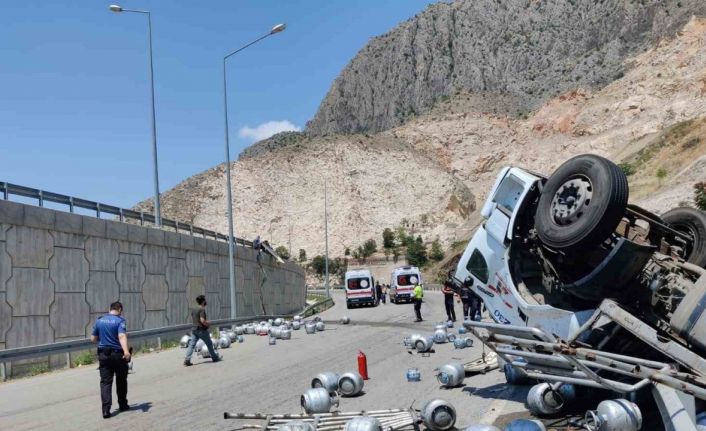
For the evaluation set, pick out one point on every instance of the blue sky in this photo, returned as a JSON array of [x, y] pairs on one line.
[[74, 84]]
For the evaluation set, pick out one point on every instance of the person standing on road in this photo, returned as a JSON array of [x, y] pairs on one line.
[[199, 331], [378, 292], [384, 294], [471, 302], [110, 332], [449, 293], [418, 294]]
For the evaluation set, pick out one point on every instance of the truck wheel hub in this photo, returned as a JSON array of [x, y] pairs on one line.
[[571, 200]]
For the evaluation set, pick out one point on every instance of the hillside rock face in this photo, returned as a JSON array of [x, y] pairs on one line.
[[511, 54], [432, 172]]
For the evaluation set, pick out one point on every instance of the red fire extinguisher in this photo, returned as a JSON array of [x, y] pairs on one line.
[[362, 365]]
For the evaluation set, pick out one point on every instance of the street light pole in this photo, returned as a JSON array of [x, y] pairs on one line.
[[231, 246], [157, 210], [328, 294]]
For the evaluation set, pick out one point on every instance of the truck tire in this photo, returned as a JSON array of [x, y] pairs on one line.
[[581, 203], [693, 222]]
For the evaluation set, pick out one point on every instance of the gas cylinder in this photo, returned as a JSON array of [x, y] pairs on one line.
[[184, 342], [363, 365], [461, 331], [438, 415]]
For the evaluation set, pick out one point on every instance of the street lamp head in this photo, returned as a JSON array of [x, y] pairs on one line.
[[115, 8], [278, 28]]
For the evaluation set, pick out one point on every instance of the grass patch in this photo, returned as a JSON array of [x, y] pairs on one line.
[[38, 369], [84, 358]]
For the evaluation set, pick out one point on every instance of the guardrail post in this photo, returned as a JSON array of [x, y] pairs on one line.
[[71, 204], [4, 191], [98, 210], [3, 372], [159, 343], [122, 217], [41, 199], [68, 360], [142, 218]]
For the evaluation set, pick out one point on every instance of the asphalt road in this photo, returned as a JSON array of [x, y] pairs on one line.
[[255, 377]]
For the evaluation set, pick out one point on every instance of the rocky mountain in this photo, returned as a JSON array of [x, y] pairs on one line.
[[515, 53], [431, 172]]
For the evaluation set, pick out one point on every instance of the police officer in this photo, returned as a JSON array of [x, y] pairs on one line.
[[418, 294], [449, 293], [110, 332], [471, 301]]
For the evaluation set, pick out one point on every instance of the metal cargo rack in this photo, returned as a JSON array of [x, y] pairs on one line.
[[391, 420], [544, 356]]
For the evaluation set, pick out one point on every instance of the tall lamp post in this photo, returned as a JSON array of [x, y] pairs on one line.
[[328, 294], [157, 212], [231, 248]]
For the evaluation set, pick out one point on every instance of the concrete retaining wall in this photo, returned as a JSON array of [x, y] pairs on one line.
[[59, 271]]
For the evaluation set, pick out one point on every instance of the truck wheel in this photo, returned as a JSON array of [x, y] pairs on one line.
[[581, 203], [692, 222]]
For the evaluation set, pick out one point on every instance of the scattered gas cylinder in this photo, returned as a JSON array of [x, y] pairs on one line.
[[239, 338], [345, 320], [297, 318], [199, 345], [250, 329], [545, 399], [515, 376], [469, 341], [615, 415], [224, 342], [424, 344], [270, 322], [449, 324], [440, 326], [320, 326], [350, 384], [215, 343], [481, 427], [273, 341], [525, 425], [275, 332], [204, 351], [318, 319], [278, 321], [461, 331], [239, 330], [318, 400], [296, 325], [232, 335], [450, 337], [363, 423], [459, 343], [184, 342], [438, 415], [440, 336], [262, 330], [327, 380], [413, 375], [310, 327], [451, 375], [296, 426], [285, 334]]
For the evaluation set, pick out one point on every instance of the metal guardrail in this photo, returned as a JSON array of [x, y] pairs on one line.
[[30, 352], [7, 189]]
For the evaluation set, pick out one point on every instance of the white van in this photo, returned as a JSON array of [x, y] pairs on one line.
[[402, 283], [360, 288]]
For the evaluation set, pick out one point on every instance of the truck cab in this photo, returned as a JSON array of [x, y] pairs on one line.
[[402, 281], [360, 288]]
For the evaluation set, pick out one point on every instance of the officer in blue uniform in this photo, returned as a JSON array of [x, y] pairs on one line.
[[110, 332]]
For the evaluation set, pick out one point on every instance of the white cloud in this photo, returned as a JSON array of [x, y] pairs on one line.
[[265, 130]]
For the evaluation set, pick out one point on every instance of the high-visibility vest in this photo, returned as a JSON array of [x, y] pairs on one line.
[[418, 292]]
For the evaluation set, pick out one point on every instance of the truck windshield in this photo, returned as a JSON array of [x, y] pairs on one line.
[[358, 283], [407, 279]]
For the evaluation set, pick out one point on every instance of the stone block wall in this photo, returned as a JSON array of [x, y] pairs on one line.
[[60, 271]]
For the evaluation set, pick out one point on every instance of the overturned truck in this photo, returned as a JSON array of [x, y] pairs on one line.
[[588, 290]]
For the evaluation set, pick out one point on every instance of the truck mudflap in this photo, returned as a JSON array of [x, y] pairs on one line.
[[544, 356], [623, 263]]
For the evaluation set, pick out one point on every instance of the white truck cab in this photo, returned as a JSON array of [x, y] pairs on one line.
[[485, 262], [402, 281], [360, 288]]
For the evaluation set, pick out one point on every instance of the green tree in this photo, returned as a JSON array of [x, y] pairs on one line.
[[395, 253], [369, 247], [700, 195], [282, 252], [302, 255], [436, 253], [661, 174], [318, 264], [388, 238], [416, 252], [347, 252]]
